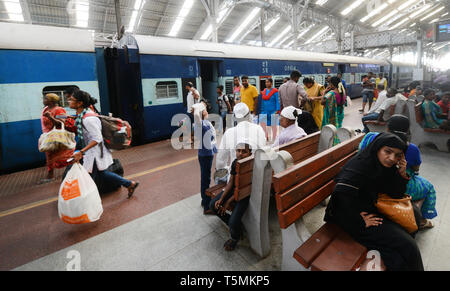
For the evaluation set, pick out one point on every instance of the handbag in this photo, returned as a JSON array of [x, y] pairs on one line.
[[57, 139], [399, 211]]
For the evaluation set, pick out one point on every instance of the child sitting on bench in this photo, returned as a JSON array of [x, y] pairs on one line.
[[225, 200]]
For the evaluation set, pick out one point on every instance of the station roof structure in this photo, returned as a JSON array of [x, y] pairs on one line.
[[358, 27]]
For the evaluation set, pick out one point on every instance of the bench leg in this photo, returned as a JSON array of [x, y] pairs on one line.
[[292, 239], [256, 218]]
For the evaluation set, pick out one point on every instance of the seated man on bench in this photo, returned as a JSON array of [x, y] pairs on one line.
[[291, 130], [378, 111], [225, 201], [379, 168]]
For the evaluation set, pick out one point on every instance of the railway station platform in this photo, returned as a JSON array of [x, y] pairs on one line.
[[162, 227]]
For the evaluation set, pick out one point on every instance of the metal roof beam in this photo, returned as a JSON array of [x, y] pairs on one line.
[[364, 41], [230, 4]]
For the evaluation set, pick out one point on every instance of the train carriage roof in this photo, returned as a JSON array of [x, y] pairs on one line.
[[39, 37], [183, 47]]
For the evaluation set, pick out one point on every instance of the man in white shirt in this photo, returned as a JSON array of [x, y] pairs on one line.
[[193, 96], [244, 130], [291, 131], [389, 102], [374, 113]]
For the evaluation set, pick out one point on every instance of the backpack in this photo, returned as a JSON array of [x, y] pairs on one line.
[[115, 131]]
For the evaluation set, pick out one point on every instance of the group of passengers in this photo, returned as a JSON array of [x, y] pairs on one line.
[[387, 157], [298, 110], [90, 149]]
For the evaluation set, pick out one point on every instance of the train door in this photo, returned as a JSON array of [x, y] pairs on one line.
[[184, 82], [262, 82], [209, 74], [123, 76]]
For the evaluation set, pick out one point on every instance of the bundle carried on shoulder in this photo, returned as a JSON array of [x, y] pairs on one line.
[[116, 132]]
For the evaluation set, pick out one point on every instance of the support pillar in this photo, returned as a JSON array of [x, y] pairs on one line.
[[118, 17]]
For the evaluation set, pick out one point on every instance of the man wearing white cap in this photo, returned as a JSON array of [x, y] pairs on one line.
[[252, 133], [291, 130]]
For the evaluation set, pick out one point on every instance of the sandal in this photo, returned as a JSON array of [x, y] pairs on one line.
[[45, 181], [131, 189], [427, 224], [230, 245]]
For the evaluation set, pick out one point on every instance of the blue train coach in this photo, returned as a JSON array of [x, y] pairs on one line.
[[144, 85], [35, 60]]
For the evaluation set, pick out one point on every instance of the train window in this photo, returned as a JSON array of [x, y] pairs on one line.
[[166, 90], [229, 84], [59, 90], [278, 82], [252, 81]]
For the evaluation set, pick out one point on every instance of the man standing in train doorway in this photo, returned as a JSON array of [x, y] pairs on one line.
[[249, 95], [292, 93]]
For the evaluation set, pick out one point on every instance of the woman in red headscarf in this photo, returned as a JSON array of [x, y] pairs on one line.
[[49, 119]]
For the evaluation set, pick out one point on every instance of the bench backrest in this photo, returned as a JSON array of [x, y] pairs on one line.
[[303, 186], [419, 113], [300, 150]]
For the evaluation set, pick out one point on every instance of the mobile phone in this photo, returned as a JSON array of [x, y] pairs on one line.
[[61, 116], [70, 160]]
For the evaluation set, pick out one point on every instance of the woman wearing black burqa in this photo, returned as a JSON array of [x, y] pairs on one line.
[[379, 168]]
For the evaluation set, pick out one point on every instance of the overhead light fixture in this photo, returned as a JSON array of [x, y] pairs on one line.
[[82, 10], [432, 13], [209, 30], [271, 23], [374, 12], [395, 11], [323, 30], [321, 2], [244, 24], [399, 23], [283, 33], [185, 9], [305, 31], [381, 20], [445, 14], [441, 46], [414, 24], [406, 4], [14, 10], [355, 4], [421, 10], [137, 6], [289, 44], [434, 20]]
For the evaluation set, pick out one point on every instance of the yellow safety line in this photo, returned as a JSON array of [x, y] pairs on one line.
[[50, 200]]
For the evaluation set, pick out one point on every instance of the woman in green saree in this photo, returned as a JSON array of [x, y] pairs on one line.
[[431, 111], [333, 104]]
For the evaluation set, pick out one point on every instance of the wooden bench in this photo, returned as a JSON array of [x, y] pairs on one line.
[[380, 126], [254, 178], [420, 135], [299, 189]]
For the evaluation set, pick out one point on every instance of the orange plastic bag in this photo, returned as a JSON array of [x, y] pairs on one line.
[[79, 200]]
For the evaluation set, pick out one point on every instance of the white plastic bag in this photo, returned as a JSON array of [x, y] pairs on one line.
[[78, 200], [349, 101], [57, 139]]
